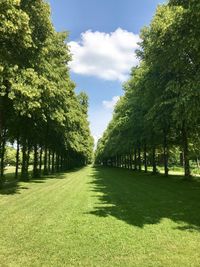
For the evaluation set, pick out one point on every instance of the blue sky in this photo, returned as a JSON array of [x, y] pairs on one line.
[[103, 38]]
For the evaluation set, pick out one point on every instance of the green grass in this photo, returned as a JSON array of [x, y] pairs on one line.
[[10, 172], [101, 217]]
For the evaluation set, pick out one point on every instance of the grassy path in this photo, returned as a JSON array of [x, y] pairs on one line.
[[101, 217]]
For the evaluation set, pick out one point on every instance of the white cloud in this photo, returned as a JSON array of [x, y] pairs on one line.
[[108, 56], [111, 104]]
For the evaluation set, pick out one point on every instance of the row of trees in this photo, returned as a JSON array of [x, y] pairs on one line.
[[160, 110], [40, 112]]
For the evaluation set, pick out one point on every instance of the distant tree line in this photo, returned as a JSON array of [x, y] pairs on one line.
[[40, 112], [160, 110]]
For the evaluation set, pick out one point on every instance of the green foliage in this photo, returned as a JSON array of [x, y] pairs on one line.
[[10, 157], [38, 106], [160, 108]]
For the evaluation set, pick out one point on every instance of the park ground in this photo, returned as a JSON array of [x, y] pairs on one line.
[[99, 216]]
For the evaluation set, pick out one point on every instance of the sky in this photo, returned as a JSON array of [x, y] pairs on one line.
[[103, 37]]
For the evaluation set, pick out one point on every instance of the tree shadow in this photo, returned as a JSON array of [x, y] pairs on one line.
[[44, 178], [13, 186], [140, 199]]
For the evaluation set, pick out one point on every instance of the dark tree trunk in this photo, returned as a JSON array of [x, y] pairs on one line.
[[3, 150], [61, 163], [145, 158], [122, 161], [45, 171], [35, 163], [57, 162], [125, 161], [181, 159], [49, 161], [28, 160], [135, 159], [186, 152], [166, 153], [53, 163], [4, 114], [197, 161], [40, 161], [24, 173], [1, 120], [139, 158], [154, 160], [130, 161], [17, 160], [23, 160]]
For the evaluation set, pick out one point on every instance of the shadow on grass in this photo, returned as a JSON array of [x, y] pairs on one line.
[[140, 199], [13, 186]]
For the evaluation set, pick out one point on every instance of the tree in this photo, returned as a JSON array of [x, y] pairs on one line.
[[160, 107], [39, 109]]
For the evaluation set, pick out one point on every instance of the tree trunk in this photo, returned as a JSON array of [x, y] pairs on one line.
[[17, 160], [35, 163], [45, 171], [139, 158], [4, 108], [53, 163], [49, 161], [24, 174], [197, 161], [125, 161], [128, 161], [3, 150], [186, 152], [61, 163], [1, 119], [57, 162], [166, 153], [28, 159], [135, 159], [122, 161], [145, 158], [154, 160], [40, 162], [181, 159]]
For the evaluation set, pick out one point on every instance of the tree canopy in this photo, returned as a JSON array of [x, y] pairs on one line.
[[160, 109], [40, 112]]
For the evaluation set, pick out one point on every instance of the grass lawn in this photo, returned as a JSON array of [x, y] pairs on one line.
[[101, 217]]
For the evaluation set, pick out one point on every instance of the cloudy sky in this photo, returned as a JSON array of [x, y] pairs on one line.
[[103, 36]]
